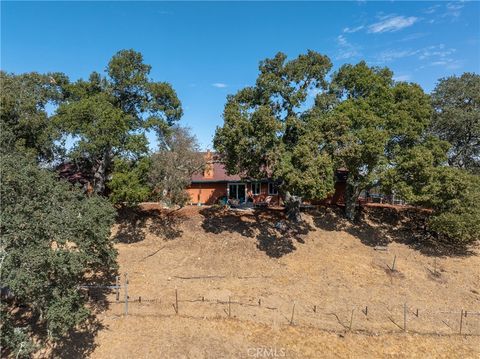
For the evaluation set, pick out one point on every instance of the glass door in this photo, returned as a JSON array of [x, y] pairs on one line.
[[237, 191], [241, 193]]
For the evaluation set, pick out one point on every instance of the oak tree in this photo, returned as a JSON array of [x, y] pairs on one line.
[[266, 131], [108, 116], [456, 118], [53, 239]]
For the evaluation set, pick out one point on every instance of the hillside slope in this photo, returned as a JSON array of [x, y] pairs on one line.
[[331, 277]]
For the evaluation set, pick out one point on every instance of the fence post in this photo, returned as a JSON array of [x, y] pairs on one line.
[[176, 301], [461, 321], [351, 320], [117, 288], [229, 312], [293, 312], [126, 293], [405, 317]]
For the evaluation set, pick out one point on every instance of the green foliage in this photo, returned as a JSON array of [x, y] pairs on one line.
[[14, 339], [266, 129], [371, 120], [109, 116], [129, 183], [420, 177], [52, 237], [455, 196], [177, 159], [25, 124], [456, 103], [362, 121]]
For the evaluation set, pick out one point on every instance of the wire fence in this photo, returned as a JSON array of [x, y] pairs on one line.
[[368, 318]]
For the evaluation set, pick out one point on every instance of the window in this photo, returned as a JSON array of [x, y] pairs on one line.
[[256, 188], [272, 188]]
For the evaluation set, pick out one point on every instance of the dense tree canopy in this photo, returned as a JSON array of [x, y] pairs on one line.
[[371, 120], [52, 237], [266, 129], [360, 120], [456, 103], [24, 121], [422, 178], [108, 117]]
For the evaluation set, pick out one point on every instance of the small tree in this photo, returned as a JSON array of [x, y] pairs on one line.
[[266, 131], [172, 167], [52, 238], [456, 118], [109, 116]]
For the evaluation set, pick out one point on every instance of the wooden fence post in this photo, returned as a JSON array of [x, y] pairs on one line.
[[176, 301], [229, 312], [293, 312], [126, 293], [117, 288], [461, 321], [351, 320]]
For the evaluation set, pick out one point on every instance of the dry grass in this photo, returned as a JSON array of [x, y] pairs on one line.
[[325, 264]]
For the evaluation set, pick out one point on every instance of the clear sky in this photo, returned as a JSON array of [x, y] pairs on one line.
[[210, 49]]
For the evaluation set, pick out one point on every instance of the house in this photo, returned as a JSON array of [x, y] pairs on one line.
[[214, 185]]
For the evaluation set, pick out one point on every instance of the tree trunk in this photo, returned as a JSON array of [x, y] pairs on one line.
[[351, 198], [100, 174], [292, 207]]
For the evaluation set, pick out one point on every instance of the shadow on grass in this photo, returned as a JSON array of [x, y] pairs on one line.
[[378, 226], [274, 235], [133, 223], [79, 343]]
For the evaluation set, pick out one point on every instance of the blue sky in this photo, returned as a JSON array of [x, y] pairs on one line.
[[210, 49]]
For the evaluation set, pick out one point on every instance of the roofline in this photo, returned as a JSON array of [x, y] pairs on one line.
[[230, 181]]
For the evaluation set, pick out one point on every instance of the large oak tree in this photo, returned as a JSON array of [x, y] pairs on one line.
[[361, 120], [370, 119], [266, 132], [456, 103], [108, 116]]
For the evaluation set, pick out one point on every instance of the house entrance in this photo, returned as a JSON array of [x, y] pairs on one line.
[[237, 191]]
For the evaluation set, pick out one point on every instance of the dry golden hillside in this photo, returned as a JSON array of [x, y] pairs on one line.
[[241, 276]]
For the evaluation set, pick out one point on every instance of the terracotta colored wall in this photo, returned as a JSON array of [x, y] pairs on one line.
[[264, 193], [210, 193], [207, 193]]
